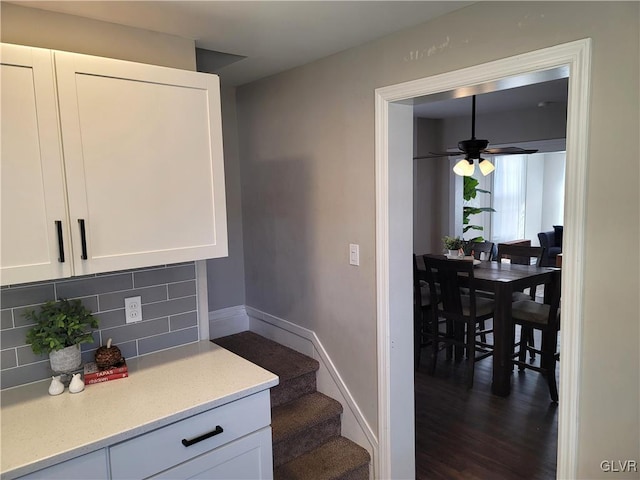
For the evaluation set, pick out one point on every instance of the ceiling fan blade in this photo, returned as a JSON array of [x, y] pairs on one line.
[[438, 155], [508, 151]]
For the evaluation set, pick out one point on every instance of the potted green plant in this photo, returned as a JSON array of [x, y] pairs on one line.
[[453, 244], [470, 192], [60, 327]]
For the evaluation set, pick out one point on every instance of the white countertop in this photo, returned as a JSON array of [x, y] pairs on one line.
[[39, 430]]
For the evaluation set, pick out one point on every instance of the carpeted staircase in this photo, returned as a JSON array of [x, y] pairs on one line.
[[305, 423]]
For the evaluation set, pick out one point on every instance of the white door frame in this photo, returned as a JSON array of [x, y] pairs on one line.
[[393, 116]]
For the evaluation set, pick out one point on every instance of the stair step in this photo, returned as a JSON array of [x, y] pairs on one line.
[[296, 371], [337, 459], [303, 424]]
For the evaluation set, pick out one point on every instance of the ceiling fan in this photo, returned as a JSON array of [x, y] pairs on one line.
[[473, 148]]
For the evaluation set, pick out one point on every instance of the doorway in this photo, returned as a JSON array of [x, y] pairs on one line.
[[394, 168]]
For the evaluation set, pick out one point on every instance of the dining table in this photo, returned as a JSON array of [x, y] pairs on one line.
[[503, 279]]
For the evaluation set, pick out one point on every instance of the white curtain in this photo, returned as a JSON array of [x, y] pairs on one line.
[[509, 198]]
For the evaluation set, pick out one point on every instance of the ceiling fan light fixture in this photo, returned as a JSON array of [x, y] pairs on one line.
[[486, 167], [464, 168]]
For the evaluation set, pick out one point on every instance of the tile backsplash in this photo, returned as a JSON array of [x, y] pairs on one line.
[[169, 313]]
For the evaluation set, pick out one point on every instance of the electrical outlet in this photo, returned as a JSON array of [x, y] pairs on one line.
[[133, 309]]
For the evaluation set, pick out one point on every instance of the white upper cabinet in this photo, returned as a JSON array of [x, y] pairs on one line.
[[34, 224], [142, 150]]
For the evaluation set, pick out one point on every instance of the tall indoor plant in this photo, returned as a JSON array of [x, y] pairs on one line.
[[470, 192], [60, 327]]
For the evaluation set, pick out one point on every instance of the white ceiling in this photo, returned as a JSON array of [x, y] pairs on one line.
[[273, 35]]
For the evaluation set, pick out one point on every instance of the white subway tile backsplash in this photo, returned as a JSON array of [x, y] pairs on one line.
[[169, 310]]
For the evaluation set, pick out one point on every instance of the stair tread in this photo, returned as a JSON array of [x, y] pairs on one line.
[[332, 460], [278, 359], [302, 413]]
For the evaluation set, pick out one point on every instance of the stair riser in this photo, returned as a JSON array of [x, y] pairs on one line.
[[305, 441], [361, 473], [293, 388]]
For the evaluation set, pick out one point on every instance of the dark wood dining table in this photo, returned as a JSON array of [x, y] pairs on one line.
[[503, 279]]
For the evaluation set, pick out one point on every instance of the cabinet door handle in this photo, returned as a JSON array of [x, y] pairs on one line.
[[60, 241], [188, 443], [83, 239]]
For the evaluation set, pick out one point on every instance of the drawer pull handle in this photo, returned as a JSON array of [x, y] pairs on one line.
[[60, 241], [83, 239], [188, 443]]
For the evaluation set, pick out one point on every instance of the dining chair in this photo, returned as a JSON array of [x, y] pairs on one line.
[[520, 254], [478, 248], [544, 317], [421, 307], [461, 311], [523, 255]]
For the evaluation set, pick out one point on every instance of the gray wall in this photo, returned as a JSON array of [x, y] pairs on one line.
[[431, 187], [225, 276], [307, 155]]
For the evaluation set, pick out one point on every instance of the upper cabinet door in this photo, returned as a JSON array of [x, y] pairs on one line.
[[35, 230], [144, 163]]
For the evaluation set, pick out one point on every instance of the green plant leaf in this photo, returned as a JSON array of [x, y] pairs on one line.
[[60, 324]]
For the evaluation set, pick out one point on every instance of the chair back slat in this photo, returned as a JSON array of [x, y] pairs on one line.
[[482, 247], [520, 254], [450, 276]]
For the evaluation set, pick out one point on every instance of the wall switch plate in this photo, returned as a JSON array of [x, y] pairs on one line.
[[133, 309], [354, 254]]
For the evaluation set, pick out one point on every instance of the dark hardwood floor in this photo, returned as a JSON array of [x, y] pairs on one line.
[[472, 434]]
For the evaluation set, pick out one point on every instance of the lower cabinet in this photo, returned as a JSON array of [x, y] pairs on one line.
[[232, 441], [85, 467], [249, 457]]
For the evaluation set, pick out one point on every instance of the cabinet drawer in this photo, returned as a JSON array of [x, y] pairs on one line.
[[160, 449]]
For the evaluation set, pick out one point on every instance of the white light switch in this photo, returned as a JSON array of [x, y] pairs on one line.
[[354, 254]]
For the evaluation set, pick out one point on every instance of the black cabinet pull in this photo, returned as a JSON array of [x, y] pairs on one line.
[[188, 443], [83, 239], [60, 241]]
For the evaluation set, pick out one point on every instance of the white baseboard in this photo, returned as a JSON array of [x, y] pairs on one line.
[[228, 321], [329, 381]]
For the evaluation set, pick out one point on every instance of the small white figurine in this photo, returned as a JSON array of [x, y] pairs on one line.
[[76, 385], [56, 387]]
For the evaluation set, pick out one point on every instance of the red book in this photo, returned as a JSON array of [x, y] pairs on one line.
[[106, 378], [92, 371]]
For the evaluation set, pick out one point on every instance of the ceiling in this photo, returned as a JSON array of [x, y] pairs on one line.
[[273, 35], [243, 41]]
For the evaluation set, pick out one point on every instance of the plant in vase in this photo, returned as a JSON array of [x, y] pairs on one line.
[[453, 245], [60, 327]]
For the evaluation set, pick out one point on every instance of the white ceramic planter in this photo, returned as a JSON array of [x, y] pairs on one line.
[[65, 360]]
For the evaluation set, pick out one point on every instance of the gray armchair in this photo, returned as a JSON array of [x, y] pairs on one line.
[[552, 243]]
